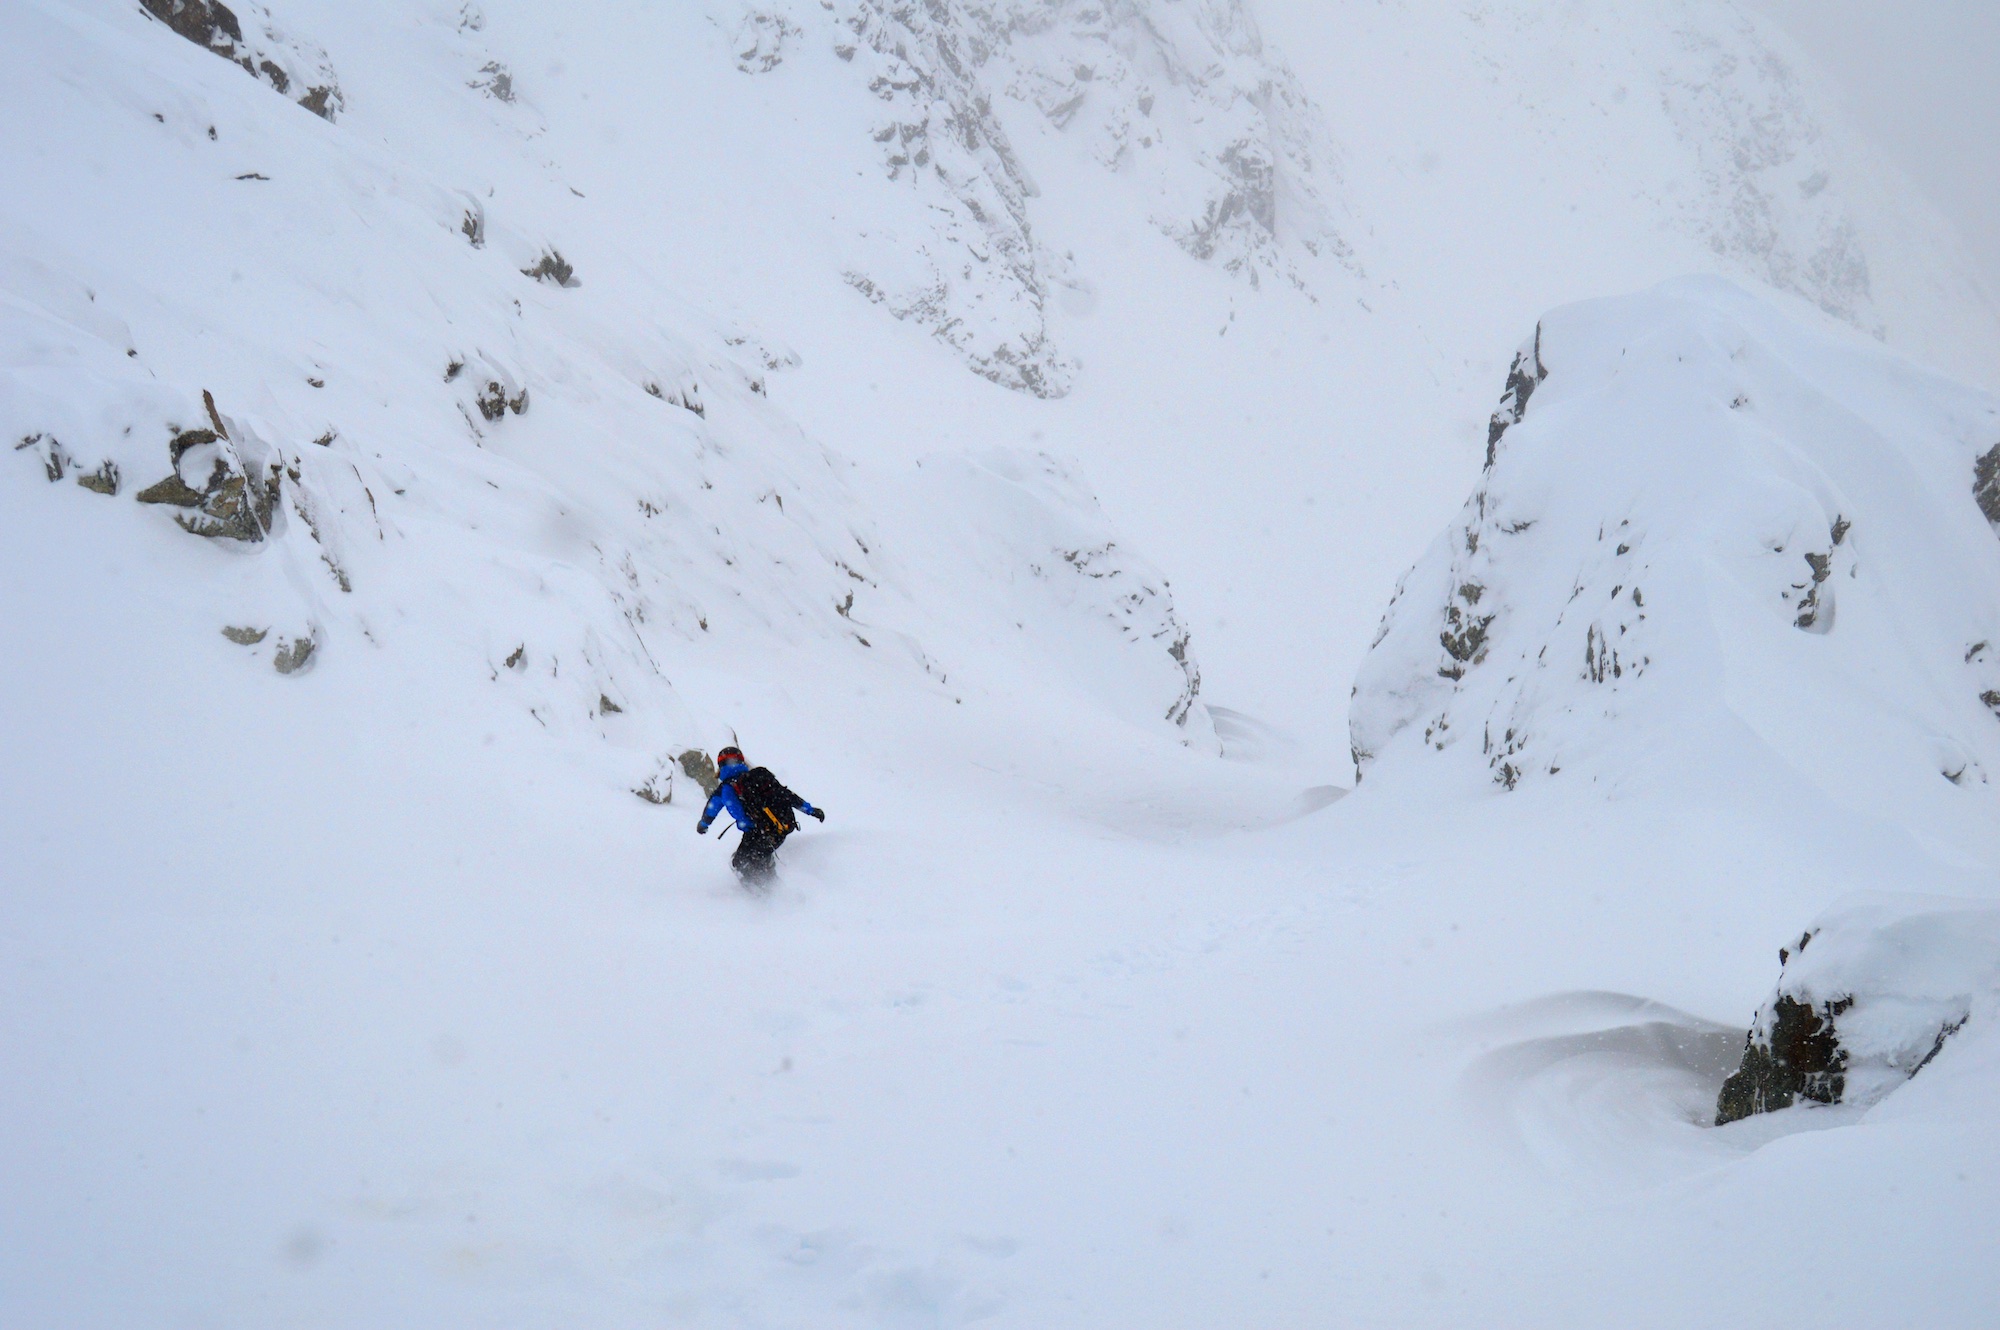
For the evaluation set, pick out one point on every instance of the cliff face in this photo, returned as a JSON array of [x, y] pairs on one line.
[[1182, 99]]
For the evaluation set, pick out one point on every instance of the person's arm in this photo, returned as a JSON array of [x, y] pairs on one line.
[[802, 805], [715, 805], [723, 800]]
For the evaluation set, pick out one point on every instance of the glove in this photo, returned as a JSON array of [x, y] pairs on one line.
[[819, 813], [701, 827]]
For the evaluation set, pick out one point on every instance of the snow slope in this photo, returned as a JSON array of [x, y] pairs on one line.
[[593, 468], [554, 394]]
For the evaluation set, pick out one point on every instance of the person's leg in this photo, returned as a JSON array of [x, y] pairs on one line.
[[752, 860]]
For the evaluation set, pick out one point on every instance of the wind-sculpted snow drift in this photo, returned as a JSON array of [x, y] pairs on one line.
[[1707, 541]]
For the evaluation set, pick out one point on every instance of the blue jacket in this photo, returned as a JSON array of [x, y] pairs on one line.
[[725, 800]]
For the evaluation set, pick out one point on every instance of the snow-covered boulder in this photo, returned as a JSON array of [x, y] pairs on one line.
[[1709, 542], [1866, 998]]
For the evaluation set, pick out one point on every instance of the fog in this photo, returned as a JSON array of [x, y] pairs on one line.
[[1918, 79]]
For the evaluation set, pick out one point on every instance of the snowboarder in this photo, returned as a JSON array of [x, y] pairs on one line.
[[762, 809]]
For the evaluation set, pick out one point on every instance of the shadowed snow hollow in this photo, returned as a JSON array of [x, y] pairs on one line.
[[1708, 542]]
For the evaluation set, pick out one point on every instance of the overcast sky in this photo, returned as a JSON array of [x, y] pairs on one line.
[[1922, 78]]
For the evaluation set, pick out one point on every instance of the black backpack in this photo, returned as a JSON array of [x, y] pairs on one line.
[[766, 802]]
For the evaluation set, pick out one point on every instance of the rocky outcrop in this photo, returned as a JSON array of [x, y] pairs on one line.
[[1240, 177], [552, 267], [1867, 997], [49, 452], [495, 390], [981, 282], [227, 499], [289, 67], [1761, 196], [693, 765], [699, 767], [1793, 1052], [495, 80], [1523, 377], [103, 479], [1664, 512], [290, 654], [1184, 98], [296, 654], [1986, 484]]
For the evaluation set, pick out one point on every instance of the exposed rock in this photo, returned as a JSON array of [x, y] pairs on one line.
[[323, 100], [1236, 179], [1866, 998], [760, 43], [1028, 520], [103, 480], [1464, 634], [1792, 1053], [235, 501], [606, 706], [493, 401], [247, 637], [296, 655], [173, 490], [700, 768], [497, 82], [206, 23], [55, 462], [1763, 167], [1523, 378], [658, 787], [552, 267], [687, 396], [1466, 622], [234, 507], [1986, 484], [266, 55], [516, 659]]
